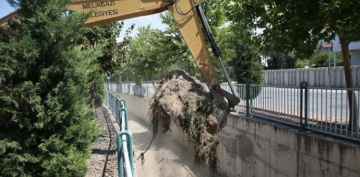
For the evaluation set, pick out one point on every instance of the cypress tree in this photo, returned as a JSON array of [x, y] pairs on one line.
[[247, 67], [46, 123]]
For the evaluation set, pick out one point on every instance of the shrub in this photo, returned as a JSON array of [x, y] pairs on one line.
[[46, 126]]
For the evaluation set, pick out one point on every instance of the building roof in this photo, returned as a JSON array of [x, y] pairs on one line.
[[3, 21]]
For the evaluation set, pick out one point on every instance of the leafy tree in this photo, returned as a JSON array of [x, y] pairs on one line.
[[112, 59], [177, 48], [46, 126], [247, 65], [299, 25], [122, 57], [109, 62], [301, 63], [105, 34], [281, 60], [180, 52], [246, 61], [321, 59], [148, 58], [168, 48]]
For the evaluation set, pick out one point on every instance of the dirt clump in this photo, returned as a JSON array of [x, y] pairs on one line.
[[182, 99]]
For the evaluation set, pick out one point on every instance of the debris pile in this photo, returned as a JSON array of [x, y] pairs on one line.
[[183, 100]]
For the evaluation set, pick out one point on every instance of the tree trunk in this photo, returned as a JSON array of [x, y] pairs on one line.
[[353, 109]]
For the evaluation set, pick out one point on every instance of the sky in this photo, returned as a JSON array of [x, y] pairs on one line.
[[154, 20]]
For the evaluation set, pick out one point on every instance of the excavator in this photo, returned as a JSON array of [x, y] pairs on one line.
[[192, 23]]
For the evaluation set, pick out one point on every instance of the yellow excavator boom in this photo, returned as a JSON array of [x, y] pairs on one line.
[[109, 11], [186, 15]]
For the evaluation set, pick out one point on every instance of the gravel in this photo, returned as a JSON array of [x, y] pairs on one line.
[[103, 160]]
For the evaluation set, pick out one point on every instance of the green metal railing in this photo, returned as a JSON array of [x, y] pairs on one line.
[[303, 105], [325, 110], [125, 149]]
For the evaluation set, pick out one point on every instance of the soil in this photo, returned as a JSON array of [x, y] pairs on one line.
[[182, 99], [103, 160]]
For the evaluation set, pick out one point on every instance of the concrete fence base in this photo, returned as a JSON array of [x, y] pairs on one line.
[[255, 147], [316, 77]]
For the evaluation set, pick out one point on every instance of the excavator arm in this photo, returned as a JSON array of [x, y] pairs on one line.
[[187, 15]]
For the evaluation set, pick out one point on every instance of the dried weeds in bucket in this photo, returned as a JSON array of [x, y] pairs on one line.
[[183, 100]]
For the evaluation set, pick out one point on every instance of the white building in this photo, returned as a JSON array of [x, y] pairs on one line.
[[264, 59], [354, 48]]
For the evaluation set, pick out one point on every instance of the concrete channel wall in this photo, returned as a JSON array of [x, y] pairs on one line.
[[251, 147], [316, 77]]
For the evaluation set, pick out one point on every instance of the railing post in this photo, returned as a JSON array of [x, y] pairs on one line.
[[147, 91], [108, 98], [140, 95], [124, 138], [247, 95], [123, 104], [251, 88], [130, 151], [126, 118], [113, 103], [111, 100], [117, 106], [303, 105], [306, 104]]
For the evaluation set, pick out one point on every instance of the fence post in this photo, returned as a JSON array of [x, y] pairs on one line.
[[124, 110], [303, 105], [117, 103], [123, 104], [120, 149], [141, 93], [247, 96], [306, 104], [147, 91]]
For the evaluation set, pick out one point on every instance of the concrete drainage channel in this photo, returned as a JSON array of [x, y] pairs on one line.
[[170, 154]]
